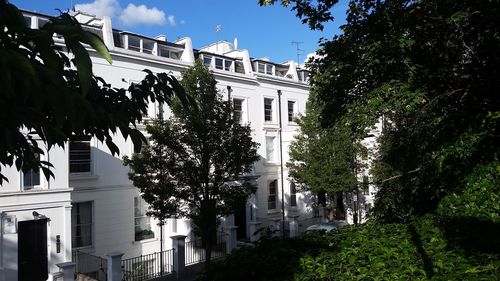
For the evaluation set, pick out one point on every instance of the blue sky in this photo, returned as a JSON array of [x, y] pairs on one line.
[[264, 31]]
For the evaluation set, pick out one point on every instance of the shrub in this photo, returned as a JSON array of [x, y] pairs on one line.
[[428, 248]]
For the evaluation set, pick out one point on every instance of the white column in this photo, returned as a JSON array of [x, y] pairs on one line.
[[294, 226], [322, 215], [178, 244], [231, 241], [253, 227], [66, 240], [114, 266], [68, 270]]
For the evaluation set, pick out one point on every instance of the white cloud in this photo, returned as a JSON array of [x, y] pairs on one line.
[[100, 8], [171, 20], [183, 22], [136, 15], [131, 15]]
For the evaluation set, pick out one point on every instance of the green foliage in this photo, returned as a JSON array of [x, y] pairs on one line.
[[322, 160], [45, 98], [195, 162], [415, 251], [267, 259], [314, 13], [480, 197], [430, 70]]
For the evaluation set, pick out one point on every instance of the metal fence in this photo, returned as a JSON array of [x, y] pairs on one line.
[[90, 265], [195, 250], [148, 266]]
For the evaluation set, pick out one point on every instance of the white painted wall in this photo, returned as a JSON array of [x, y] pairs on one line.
[[108, 186]]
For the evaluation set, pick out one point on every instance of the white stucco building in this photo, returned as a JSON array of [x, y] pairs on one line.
[[92, 206]]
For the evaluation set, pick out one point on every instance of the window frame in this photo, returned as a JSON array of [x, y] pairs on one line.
[[293, 194], [91, 156], [141, 216], [270, 111], [224, 65], [269, 71], [206, 58], [293, 112], [272, 202], [31, 172], [221, 60], [242, 110], [272, 151], [134, 47], [239, 67], [91, 224]]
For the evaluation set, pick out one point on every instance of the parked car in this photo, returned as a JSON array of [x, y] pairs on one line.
[[329, 226]]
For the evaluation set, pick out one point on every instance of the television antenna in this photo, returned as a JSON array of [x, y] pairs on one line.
[[298, 49]]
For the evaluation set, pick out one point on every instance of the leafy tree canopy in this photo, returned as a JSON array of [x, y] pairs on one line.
[[195, 160], [48, 96], [324, 160], [314, 13], [431, 70]]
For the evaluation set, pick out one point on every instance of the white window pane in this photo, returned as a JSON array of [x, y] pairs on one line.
[[270, 148], [268, 109]]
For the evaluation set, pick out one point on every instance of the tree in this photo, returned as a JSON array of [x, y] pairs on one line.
[[45, 98], [323, 160], [313, 13], [431, 70], [195, 160]]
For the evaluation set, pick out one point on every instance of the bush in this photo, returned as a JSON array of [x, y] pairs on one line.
[[425, 249]]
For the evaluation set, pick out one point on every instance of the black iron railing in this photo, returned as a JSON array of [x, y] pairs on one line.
[[90, 265], [148, 266], [195, 250]]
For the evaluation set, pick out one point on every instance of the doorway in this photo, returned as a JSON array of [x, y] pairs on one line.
[[240, 220], [32, 250]]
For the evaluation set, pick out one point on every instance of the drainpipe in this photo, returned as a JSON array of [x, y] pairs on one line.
[[281, 165], [161, 246]]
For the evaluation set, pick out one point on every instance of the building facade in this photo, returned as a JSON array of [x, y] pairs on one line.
[[91, 205]]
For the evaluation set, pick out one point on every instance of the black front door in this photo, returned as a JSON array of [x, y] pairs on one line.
[[32, 250], [240, 220]]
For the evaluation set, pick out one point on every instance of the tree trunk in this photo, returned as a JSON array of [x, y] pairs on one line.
[[208, 228], [339, 208], [208, 255]]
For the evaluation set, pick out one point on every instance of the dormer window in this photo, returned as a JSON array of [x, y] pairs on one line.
[[163, 52], [134, 44], [218, 63], [265, 68], [148, 46], [239, 67], [269, 69], [227, 65], [207, 60], [261, 67], [42, 22], [27, 19], [303, 75]]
